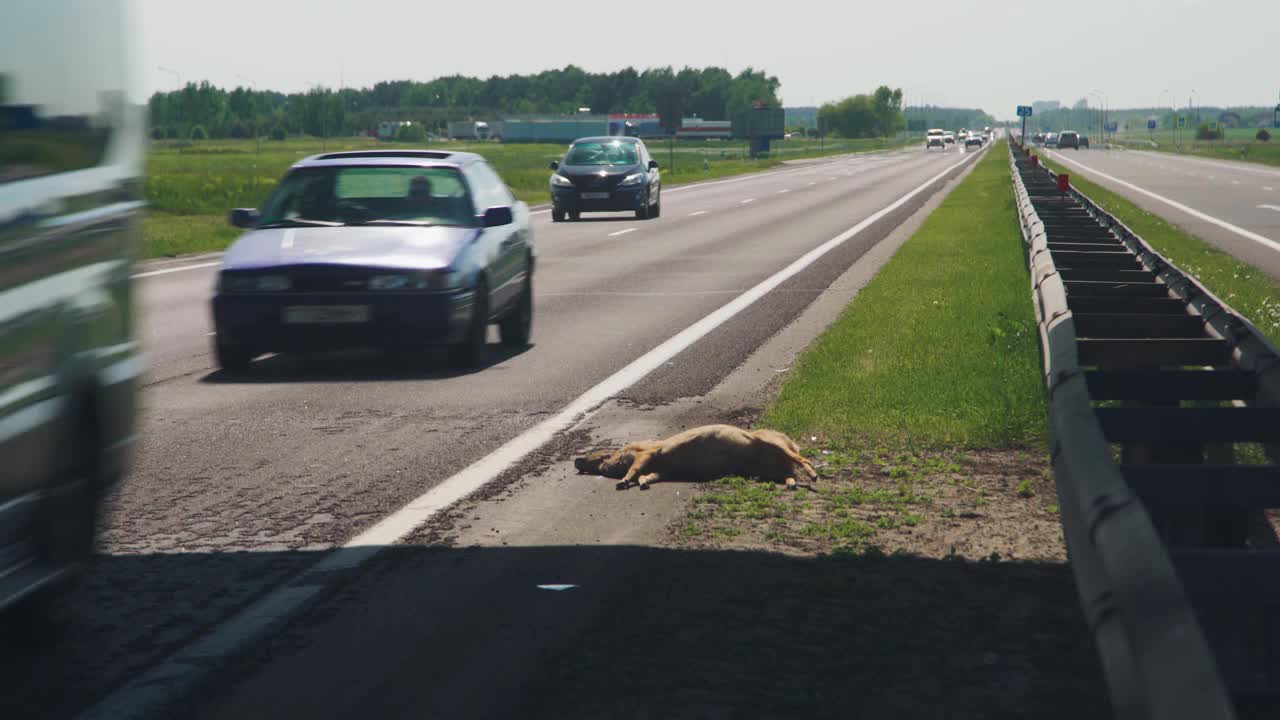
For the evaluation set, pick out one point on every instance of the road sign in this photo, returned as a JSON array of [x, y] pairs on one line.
[[1112, 126], [1213, 124], [1024, 111], [1182, 121], [1151, 124]]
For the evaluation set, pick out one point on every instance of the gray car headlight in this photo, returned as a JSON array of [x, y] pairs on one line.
[[632, 179], [273, 283], [425, 280], [561, 181], [253, 283]]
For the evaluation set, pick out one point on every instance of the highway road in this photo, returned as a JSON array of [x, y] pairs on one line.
[[241, 485], [1234, 205]]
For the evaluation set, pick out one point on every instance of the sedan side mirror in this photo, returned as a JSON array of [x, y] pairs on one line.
[[496, 216], [244, 217], [653, 164], [555, 164]]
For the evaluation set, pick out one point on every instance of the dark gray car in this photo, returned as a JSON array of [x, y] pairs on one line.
[[606, 174]]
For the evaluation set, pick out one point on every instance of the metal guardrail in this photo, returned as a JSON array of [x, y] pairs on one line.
[[1175, 562]]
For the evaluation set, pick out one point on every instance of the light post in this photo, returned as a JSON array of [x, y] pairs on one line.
[[1160, 104]]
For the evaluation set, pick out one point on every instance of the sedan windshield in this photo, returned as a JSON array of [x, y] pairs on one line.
[[602, 153], [370, 195]]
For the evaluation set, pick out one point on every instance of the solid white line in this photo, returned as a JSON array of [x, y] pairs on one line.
[[748, 200], [151, 689], [184, 268], [1270, 207], [1246, 167], [622, 232], [1248, 234], [699, 212]]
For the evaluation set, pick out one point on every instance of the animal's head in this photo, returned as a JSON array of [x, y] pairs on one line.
[[608, 463]]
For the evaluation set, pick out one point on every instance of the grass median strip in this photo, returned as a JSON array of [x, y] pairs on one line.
[[1250, 291], [922, 407]]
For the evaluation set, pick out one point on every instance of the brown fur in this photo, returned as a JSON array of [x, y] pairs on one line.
[[702, 453]]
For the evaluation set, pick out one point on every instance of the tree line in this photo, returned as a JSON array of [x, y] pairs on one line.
[[711, 93]]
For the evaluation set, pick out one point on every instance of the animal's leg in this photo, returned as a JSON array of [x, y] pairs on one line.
[[637, 466], [649, 478], [802, 461]]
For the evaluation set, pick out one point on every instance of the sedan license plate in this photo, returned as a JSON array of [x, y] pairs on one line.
[[595, 196], [326, 314]]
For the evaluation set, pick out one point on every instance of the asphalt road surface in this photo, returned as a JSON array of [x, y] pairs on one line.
[[241, 484], [1234, 205]]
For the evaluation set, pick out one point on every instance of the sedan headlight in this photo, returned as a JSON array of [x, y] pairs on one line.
[[253, 283], [561, 181], [426, 280], [632, 179]]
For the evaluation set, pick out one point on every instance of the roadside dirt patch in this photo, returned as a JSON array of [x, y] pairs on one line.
[[985, 504]]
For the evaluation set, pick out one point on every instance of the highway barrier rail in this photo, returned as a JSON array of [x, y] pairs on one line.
[[1164, 424]]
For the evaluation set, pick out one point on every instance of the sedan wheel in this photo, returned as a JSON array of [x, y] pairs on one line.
[[557, 216], [516, 326], [472, 351], [642, 212], [232, 358]]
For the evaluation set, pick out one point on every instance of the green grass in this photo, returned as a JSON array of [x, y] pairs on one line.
[[190, 187], [940, 349], [1248, 290]]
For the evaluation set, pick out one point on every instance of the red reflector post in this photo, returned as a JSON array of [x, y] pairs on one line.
[[1064, 182], [1035, 161]]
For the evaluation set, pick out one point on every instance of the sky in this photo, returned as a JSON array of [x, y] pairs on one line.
[[992, 55]]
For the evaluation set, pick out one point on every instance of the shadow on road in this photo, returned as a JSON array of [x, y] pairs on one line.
[[360, 365], [644, 633]]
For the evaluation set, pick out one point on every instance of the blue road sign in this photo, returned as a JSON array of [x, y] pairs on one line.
[[1024, 111], [1151, 124]]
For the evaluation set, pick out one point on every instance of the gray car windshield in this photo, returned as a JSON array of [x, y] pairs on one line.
[[602, 153], [370, 194]]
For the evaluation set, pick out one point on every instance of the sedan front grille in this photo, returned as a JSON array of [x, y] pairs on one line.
[[328, 279]]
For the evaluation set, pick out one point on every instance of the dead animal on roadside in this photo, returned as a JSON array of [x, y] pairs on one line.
[[709, 452]]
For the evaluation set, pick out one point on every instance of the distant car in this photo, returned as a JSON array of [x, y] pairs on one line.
[[1069, 139], [1084, 141], [973, 139], [1038, 138], [72, 153], [1051, 140], [385, 248], [935, 138], [950, 138], [606, 174]]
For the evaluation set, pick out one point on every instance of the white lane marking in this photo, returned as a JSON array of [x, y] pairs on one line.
[[622, 232], [698, 212], [1235, 182], [1268, 188], [813, 182], [184, 268], [784, 191], [151, 689], [1270, 207], [1213, 177], [1248, 234], [748, 200]]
